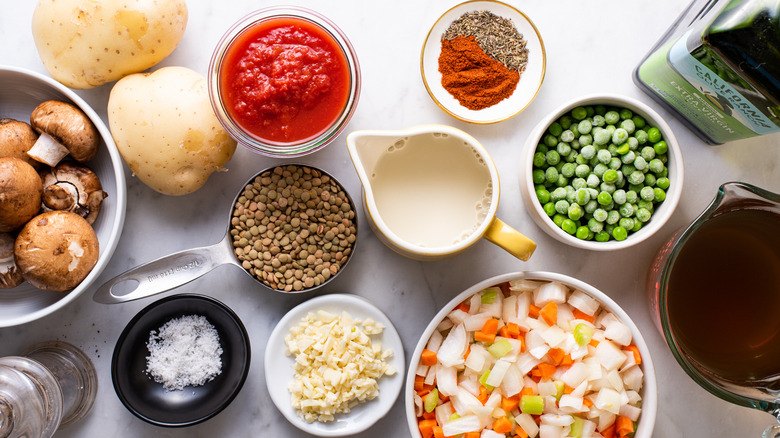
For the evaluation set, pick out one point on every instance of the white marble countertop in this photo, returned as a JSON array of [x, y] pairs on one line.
[[388, 37]]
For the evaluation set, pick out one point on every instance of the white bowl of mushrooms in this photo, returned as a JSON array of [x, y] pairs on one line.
[[62, 196]]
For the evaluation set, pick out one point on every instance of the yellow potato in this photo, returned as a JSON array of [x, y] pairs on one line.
[[166, 131], [86, 43]]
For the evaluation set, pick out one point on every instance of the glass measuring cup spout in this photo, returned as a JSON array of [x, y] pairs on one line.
[[725, 263]]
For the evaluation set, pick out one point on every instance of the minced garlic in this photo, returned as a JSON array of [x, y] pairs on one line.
[[336, 364]]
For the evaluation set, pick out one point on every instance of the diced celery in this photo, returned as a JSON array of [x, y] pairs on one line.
[[454, 416], [500, 348], [484, 378], [583, 333], [431, 400], [489, 295], [559, 386], [576, 427], [532, 404]]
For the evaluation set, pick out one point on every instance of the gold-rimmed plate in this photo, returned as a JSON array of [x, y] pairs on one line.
[[530, 80]]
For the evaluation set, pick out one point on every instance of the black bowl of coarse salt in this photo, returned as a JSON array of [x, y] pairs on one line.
[[483, 61], [181, 360]]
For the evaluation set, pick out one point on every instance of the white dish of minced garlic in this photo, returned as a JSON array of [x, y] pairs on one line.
[[334, 365]]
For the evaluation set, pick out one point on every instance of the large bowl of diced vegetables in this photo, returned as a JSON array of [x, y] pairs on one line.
[[601, 172], [531, 354]]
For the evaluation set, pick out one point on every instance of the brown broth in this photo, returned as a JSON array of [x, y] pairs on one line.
[[723, 296]]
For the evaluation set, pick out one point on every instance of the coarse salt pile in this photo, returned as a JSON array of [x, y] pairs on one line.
[[336, 364], [183, 352]]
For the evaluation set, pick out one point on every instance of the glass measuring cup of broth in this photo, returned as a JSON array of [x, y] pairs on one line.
[[715, 294]]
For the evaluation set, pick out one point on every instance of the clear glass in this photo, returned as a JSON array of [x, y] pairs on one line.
[[758, 394], [54, 384], [283, 149]]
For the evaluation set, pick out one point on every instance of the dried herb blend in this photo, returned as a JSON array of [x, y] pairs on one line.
[[468, 75]]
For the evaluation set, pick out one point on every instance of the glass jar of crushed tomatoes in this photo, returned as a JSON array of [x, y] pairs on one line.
[[284, 81]]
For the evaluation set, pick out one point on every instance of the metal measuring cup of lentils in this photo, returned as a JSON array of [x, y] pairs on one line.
[[293, 227]]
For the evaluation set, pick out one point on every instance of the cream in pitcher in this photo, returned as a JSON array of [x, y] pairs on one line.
[[431, 191]]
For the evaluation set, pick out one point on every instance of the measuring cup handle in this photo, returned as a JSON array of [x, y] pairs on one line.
[[165, 273], [510, 239]]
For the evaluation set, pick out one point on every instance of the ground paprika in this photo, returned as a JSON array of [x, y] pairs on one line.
[[471, 76]]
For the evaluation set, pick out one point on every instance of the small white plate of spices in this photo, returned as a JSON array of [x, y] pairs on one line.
[[351, 339], [483, 62]]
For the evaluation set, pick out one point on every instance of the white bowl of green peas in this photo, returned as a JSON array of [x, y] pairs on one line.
[[601, 172]]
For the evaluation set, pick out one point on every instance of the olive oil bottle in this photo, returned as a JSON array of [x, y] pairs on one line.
[[718, 68]]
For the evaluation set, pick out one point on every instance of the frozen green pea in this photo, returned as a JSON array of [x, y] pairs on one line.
[[598, 120], [551, 174], [603, 156], [558, 194], [647, 193], [662, 183], [563, 149], [588, 151], [620, 136], [610, 176], [537, 175], [568, 170], [650, 179], [582, 170], [584, 126], [660, 147], [628, 169], [647, 152], [575, 212], [624, 149], [611, 117], [628, 125], [648, 205], [602, 137], [656, 166], [640, 163], [640, 136], [626, 114], [549, 208], [562, 180], [626, 222], [550, 140], [593, 180], [602, 236], [626, 210], [637, 226], [574, 130], [586, 139], [555, 129], [565, 121], [539, 159], [575, 144], [543, 196], [600, 110], [594, 225], [558, 219], [591, 206], [567, 136], [562, 206], [541, 147], [579, 113], [599, 169], [571, 157], [613, 149], [569, 226], [578, 183], [619, 196], [582, 196], [570, 197], [628, 158], [582, 160], [615, 164], [632, 143], [643, 214], [619, 233], [660, 194], [613, 216], [639, 122], [600, 214], [607, 187], [611, 129], [636, 177], [604, 198], [582, 233], [653, 135], [552, 157]]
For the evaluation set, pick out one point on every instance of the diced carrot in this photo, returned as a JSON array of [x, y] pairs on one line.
[[634, 349], [609, 432], [429, 415], [443, 398], [438, 432], [464, 306], [509, 404], [428, 357], [567, 360], [623, 426], [567, 389], [426, 427], [556, 355], [504, 332], [502, 425], [527, 390], [546, 370], [579, 314], [549, 313], [587, 402], [521, 338], [419, 382], [593, 343], [483, 394], [468, 351], [514, 330], [423, 392], [520, 433], [484, 337], [471, 435], [490, 327], [533, 311]]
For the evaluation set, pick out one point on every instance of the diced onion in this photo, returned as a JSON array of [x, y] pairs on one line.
[[453, 347], [463, 424], [583, 302], [552, 291]]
